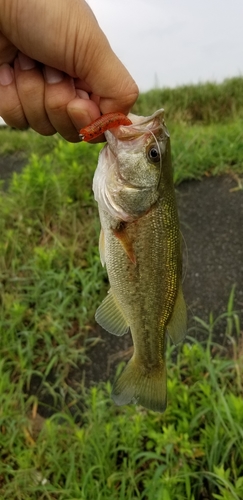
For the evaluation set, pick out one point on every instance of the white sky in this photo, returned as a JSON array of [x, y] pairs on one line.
[[174, 42]]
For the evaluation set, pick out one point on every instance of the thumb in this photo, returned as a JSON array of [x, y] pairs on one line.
[[65, 35], [7, 50], [108, 78]]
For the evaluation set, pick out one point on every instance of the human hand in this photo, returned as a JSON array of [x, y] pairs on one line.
[[58, 72]]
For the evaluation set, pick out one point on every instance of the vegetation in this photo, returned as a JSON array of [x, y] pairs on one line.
[[51, 283], [205, 103], [96, 450]]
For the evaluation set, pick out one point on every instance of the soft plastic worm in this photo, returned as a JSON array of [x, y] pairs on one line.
[[103, 123]]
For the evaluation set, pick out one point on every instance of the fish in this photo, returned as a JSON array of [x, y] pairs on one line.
[[140, 245]]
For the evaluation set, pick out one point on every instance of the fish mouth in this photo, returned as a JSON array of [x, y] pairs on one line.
[[141, 125]]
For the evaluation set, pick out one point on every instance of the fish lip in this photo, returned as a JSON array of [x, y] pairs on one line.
[[137, 128], [142, 120]]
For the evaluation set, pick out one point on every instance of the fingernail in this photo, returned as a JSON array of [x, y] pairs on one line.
[[53, 75], [25, 62], [6, 75], [85, 118], [82, 94]]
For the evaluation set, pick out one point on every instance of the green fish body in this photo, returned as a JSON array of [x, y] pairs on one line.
[[140, 246]]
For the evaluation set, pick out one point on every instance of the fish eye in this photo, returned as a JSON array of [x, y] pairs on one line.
[[153, 153]]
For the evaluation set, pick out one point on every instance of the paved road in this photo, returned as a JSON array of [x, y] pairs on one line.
[[211, 214]]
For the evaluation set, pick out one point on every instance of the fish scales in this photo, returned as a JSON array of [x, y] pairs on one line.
[[142, 254]]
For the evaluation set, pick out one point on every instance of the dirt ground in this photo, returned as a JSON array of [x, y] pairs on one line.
[[211, 217]]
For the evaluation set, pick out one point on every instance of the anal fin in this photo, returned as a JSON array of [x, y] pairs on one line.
[[177, 326], [109, 315]]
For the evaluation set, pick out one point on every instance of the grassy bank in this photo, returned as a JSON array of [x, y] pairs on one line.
[[51, 283], [92, 449], [197, 150], [204, 103]]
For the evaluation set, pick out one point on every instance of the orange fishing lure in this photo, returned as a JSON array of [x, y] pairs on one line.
[[103, 123]]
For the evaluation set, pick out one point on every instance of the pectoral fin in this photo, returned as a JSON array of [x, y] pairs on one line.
[[126, 242], [110, 316], [177, 326]]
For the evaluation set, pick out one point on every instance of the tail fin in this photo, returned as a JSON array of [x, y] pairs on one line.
[[136, 385]]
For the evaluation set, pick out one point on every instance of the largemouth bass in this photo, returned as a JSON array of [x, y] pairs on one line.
[[141, 248]]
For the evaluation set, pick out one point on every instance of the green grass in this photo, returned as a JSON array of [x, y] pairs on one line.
[[49, 262], [197, 150], [92, 449], [24, 143], [51, 283], [212, 150], [204, 103]]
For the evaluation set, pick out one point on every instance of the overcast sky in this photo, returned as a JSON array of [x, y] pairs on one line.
[[174, 42]]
